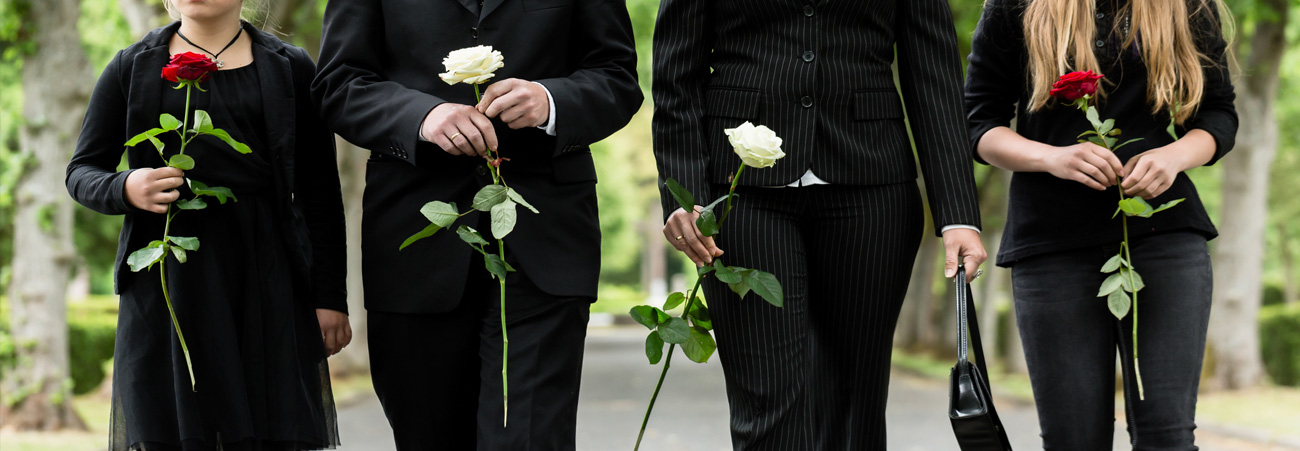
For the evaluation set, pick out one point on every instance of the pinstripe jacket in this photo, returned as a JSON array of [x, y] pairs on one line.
[[818, 72]]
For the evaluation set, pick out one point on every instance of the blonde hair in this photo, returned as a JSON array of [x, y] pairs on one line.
[[1059, 36]]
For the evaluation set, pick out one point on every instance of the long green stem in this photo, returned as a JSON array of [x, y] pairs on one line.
[[1128, 255], [162, 275], [734, 180], [505, 343], [668, 360]]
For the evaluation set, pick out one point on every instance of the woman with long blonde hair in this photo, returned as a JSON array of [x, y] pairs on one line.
[[1164, 61]]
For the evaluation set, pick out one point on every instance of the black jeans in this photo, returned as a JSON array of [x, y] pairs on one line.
[[1070, 339]]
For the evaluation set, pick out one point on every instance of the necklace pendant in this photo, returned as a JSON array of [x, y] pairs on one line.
[[221, 64]]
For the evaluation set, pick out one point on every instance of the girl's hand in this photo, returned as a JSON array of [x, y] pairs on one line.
[[334, 329], [1151, 173], [152, 189], [1086, 163]]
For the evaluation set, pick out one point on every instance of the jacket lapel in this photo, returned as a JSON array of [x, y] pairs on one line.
[[471, 5], [274, 74], [489, 6]]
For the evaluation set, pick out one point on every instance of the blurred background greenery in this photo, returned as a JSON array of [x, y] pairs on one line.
[[57, 310]]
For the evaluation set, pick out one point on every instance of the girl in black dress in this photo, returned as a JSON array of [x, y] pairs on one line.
[[1164, 60], [262, 302]]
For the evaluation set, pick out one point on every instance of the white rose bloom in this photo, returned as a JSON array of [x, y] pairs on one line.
[[473, 65], [757, 146]]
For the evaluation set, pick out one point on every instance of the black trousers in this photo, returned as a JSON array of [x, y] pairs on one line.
[[438, 376], [814, 375], [1070, 340]]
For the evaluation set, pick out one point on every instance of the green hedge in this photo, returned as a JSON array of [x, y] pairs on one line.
[[92, 325], [1279, 337]]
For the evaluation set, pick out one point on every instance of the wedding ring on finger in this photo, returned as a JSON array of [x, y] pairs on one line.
[[452, 138], [679, 238]]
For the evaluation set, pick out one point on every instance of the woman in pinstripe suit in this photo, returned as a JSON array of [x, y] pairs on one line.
[[839, 219]]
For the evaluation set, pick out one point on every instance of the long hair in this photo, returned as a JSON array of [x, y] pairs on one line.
[[1059, 36]]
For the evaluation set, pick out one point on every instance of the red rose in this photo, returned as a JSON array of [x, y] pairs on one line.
[[1075, 85], [189, 66]]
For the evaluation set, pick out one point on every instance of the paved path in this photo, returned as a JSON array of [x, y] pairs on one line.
[[691, 414]]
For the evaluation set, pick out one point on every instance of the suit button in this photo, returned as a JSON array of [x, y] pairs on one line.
[[806, 101], [1100, 43], [808, 10], [473, 32], [481, 169], [808, 56]]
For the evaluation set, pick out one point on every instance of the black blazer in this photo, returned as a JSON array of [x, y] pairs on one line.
[[126, 102], [380, 61], [818, 74]]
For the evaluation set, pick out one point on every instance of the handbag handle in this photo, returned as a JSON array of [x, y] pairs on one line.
[[965, 309]]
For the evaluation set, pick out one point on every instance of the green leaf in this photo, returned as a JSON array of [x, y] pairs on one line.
[[1137, 284], [725, 274], [645, 315], [471, 236], [1111, 265], [1127, 143], [137, 139], [1119, 303], [1093, 118], [707, 223], [674, 300], [718, 201], [654, 348], [1110, 285], [157, 144], [1097, 140], [202, 121], [440, 213], [225, 137], [766, 286], [1136, 206], [188, 243], [498, 267], [489, 196], [182, 162], [699, 315], [1110, 142], [504, 216], [146, 256], [168, 122], [1116, 132], [1168, 205], [699, 345], [675, 331], [428, 231], [701, 271], [219, 192], [1089, 132], [191, 204], [179, 253], [1107, 126], [684, 197], [519, 199]]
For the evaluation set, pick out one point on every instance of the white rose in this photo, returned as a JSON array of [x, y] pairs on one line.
[[473, 65], [758, 147]]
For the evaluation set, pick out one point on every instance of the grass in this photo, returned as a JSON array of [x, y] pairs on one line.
[[1014, 386]]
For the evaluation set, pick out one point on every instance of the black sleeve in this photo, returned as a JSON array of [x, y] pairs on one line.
[[355, 99], [316, 188], [929, 68], [1217, 114], [682, 45], [92, 178], [995, 74], [600, 97]]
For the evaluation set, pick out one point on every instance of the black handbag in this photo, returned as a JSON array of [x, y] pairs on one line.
[[970, 403]]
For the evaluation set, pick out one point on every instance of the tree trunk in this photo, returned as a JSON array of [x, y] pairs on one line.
[[1239, 253], [56, 81], [354, 359], [1290, 290], [142, 15]]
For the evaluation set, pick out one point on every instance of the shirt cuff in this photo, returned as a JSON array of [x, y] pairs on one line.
[[958, 226], [549, 126]]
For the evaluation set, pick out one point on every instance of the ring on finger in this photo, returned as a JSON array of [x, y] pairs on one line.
[[679, 238], [453, 137]]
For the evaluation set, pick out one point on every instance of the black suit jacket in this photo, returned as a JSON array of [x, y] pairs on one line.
[[819, 74], [380, 61], [126, 102]]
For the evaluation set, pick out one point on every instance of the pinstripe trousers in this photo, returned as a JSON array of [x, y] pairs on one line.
[[814, 374]]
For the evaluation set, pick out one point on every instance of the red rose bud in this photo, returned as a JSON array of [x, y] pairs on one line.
[[497, 162], [189, 66], [1075, 85]]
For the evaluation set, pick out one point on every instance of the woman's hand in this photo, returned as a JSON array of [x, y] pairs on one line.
[[334, 329], [153, 189], [681, 232], [1086, 163], [1151, 173]]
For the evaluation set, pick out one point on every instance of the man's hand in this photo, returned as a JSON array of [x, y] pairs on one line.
[[152, 189], [334, 329], [963, 245], [459, 130], [519, 103], [681, 232]]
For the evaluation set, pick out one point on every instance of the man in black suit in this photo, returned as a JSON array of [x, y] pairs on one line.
[[435, 338], [839, 219]]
